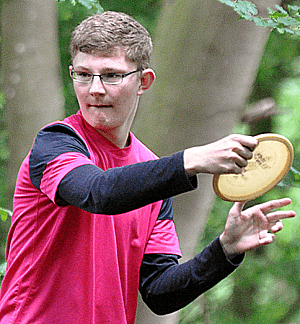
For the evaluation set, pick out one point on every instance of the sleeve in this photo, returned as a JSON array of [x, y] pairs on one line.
[[163, 238], [167, 286], [61, 168], [56, 151]]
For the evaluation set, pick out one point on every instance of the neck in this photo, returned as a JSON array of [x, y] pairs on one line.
[[120, 135], [119, 141]]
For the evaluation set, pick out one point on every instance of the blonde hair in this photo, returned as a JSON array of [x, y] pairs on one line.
[[102, 33]]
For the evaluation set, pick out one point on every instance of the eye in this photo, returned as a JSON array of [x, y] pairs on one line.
[[112, 75], [112, 78], [83, 74]]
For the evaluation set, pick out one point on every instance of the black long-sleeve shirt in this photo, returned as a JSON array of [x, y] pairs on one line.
[[165, 285]]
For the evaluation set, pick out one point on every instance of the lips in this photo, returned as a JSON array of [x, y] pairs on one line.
[[101, 106]]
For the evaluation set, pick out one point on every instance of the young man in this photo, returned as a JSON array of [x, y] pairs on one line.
[[93, 220]]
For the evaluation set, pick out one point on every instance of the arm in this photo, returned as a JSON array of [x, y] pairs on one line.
[[119, 190], [88, 187], [167, 286]]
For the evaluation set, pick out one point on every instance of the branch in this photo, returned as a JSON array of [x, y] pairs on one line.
[[284, 21]]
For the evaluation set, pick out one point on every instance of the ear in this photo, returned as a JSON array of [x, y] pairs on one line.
[[147, 79], [70, 70]]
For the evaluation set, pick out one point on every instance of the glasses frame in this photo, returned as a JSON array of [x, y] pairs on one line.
[[123, 75]]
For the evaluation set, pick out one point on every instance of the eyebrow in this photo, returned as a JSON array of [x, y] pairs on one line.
[[105, 70]]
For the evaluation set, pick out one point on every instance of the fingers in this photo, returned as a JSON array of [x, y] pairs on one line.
[[272, 219], [240, 164], [248, 142], [278, 226], [275, 216], [237, 159], [268, 207], [243, 147], [244, 152], [275, 219], [273, 204], [266, 238], [247, 145]]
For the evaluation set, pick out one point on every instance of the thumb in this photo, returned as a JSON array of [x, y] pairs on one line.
[[237, 208]]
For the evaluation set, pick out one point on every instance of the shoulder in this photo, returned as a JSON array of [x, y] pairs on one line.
[[58, 137], [51, 142]]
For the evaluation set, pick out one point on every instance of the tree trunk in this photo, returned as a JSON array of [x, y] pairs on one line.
[[31, 74], [206, 61]]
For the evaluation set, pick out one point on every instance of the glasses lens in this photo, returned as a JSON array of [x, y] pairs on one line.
[[82, 76], [112, 78]]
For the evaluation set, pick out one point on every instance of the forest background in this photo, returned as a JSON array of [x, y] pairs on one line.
[[266, 287]]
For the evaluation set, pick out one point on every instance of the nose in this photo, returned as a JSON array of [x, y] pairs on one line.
[[97, 87]]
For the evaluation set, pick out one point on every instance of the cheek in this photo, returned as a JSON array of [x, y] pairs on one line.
[[80, 94], [128, 95]]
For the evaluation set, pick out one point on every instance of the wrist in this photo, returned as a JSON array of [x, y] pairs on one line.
[[228, 248], [188, 163], [192, 161]]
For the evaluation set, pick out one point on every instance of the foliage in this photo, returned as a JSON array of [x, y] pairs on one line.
[[285, 21], [4, 154], [2, 271], [144, 11], [69, 17], [89, 4], [276, 65], [4, 158], [4, 213]]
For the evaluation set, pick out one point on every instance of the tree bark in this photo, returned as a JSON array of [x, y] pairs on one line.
[[31, 74], [206, 61]]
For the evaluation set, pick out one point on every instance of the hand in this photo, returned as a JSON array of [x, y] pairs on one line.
[[248, 229], [228, 155]]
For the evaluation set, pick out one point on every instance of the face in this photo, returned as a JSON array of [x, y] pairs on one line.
[[109, 108]]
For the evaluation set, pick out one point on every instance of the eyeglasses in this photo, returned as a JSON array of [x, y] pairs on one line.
[[108, 78]]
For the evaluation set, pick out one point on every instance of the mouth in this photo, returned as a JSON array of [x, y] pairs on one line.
[[100, 106]]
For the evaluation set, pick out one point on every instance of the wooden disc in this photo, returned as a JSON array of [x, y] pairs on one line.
[[272, 159]]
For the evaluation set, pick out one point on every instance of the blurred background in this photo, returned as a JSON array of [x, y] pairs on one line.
[[215, 75]]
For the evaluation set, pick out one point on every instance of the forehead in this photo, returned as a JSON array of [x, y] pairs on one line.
[[115, 59]]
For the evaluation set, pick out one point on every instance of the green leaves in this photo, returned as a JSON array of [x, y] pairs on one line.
[[244, 8], [284, 21], [287, 21], [4, 213], [2, 271], [89, 4]]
